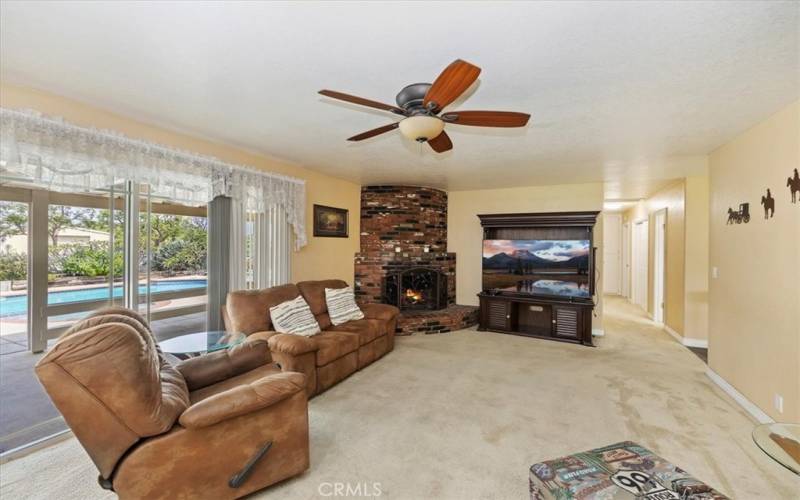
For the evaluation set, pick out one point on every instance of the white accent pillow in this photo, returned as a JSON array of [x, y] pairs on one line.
[[342, 305], [294, 316]]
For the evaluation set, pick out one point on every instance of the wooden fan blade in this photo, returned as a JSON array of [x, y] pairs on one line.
[[441, 143], [374, 132], [453, 81], [360, 100], [487, 118]]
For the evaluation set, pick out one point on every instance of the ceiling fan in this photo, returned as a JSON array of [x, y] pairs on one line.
[[421, 103]]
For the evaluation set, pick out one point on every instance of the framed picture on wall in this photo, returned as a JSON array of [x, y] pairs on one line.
[[330, 222]]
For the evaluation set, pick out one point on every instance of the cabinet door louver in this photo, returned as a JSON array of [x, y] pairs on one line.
[[567, 323], [497, 314]]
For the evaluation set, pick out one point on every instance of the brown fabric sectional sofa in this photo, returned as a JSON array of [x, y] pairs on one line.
[[325, 358]]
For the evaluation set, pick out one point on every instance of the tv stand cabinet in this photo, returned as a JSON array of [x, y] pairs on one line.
[[552, 317], [545, 318]]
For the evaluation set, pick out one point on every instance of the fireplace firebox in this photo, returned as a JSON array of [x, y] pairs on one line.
[[416, 288]]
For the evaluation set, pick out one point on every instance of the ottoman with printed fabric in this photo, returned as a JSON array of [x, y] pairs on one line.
[[615, 472]]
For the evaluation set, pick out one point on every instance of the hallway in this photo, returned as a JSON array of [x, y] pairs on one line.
[[618, 309]]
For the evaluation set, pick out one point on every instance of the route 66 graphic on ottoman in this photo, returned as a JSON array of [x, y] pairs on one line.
[[618, 471]]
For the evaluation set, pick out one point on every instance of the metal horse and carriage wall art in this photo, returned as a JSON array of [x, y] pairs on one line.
[[743, 214]]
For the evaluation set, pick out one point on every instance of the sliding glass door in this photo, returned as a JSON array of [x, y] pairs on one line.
[[86, 252], [86, 243], [63, 255], [172, 265]]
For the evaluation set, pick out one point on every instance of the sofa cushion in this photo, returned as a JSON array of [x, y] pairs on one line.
[[342, 307], [333, 345], [379, 311], [366, 329], [294, 316], [248, 310], [314, 293]]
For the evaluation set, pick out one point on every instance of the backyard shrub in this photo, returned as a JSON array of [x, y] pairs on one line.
[[84, 259], [13, 266], [177, 255]]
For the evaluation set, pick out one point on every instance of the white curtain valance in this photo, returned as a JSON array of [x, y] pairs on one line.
[[53, 154]]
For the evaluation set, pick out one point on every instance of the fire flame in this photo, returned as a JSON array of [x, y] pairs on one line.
[[413, 295]]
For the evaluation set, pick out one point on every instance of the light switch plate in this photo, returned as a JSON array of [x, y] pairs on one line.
[[715, 272], [778, 402]]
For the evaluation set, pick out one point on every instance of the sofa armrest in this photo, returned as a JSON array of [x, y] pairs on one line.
[[291, 344], [214, 367], [379, 311], [242, 399], [262, 335]]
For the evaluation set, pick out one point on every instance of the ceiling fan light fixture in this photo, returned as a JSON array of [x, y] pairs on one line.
[[421, 128]]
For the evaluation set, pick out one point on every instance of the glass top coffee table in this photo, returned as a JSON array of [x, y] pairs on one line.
[[781, 442], [193, 344]]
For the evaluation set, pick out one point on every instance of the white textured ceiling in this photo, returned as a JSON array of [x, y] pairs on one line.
[[628, 93]]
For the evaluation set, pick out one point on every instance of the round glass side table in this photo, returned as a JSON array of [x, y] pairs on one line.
[[194, 344], [781, 442]]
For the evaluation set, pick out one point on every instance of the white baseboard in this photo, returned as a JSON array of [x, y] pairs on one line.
[[695, 342], [688, 342], [598, 332], [737, 396], [674, 334]]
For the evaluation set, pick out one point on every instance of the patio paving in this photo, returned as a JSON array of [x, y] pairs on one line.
[[26, 413]]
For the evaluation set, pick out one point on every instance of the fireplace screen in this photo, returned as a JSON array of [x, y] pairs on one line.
[[416, 288]]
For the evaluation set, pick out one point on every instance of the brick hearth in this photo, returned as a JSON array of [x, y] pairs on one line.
[[413, 220], [452, 318]]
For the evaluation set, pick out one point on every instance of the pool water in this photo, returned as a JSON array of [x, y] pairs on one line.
[[18, 305]]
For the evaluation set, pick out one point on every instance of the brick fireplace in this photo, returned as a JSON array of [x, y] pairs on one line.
[[404, 259]]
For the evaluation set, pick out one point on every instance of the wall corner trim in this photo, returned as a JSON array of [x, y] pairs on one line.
[[737, 396], [598, 332]]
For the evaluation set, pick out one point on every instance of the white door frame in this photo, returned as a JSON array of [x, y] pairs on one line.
[[626, 260], [659, 264], [640, 264]]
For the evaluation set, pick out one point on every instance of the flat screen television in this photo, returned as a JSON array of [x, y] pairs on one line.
[[537, 267]]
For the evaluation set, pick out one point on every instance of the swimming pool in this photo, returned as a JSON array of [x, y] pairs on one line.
[[18, 305]]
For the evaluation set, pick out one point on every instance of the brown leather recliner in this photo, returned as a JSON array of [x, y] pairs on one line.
[[194, 430], [325, 358]]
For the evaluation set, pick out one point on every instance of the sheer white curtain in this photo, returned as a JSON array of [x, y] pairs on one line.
[[50, 153], [260, 249]]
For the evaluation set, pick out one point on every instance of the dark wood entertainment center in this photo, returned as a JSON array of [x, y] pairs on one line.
[[552, 317]]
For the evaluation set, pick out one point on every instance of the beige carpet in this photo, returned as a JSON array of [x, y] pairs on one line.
[[463, 415]]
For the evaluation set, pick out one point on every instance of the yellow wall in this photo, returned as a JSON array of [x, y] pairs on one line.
[[671, 198], [696, 281], [754, 304], [321, 258], [464, 234]]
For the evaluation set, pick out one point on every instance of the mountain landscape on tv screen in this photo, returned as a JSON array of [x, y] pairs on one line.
[[576, 256]]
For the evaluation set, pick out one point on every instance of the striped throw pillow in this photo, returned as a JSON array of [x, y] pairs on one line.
[[294, 316], [342, 305]]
